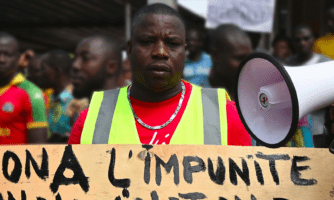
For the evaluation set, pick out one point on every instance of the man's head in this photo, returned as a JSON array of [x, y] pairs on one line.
[[35, 71], [329, 15], [55, 65], [303, 39], [9, 56], [230, 45], [97, 59], [157, 48], [195, 41], [282, 47]]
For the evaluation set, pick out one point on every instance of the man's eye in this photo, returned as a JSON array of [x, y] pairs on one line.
[[174, 44], [85, 58], [147, 42]]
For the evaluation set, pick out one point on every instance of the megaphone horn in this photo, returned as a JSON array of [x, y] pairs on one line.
[[271, 98]]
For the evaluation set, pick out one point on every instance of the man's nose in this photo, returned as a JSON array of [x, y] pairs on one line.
[[76, 65], [3, 58], [160, 51]]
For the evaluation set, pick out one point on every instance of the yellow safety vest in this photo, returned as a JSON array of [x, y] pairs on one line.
[[110, 119]]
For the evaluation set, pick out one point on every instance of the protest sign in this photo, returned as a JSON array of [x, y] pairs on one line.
[[166, 172], [255, 15]]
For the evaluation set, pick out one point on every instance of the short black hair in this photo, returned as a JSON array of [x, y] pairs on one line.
[[301, 26], [225, 31], [279, 38], [157, 8], [58, 59], [112, 46]]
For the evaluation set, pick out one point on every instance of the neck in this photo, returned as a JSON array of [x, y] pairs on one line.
[[64, 81], [219, 82], [110, 83], [305, 57], [194, 57], [6, 80], [141, 93]]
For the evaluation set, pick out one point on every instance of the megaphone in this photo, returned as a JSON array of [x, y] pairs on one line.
[[272, 98]]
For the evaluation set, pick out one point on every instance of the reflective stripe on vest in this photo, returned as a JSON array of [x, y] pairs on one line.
[[111, 121]]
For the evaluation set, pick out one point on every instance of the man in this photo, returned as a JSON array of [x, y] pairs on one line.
[[282, 48], [97, 66], [125, 77], [198, 63], [56, 66], [230, 45], [325, 44], [315, 122], [159, 108], [303, 42], [22, 114], [36, 76]]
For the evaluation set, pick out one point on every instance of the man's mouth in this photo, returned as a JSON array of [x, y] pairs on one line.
[[159, 67]]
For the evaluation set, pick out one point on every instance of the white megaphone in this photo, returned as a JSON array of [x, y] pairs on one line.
[[271, 99]]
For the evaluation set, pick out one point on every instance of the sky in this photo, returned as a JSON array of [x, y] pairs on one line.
[[197, 6]]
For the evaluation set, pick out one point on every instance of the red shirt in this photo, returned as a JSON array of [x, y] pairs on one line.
[[158, 113], [21, 108]]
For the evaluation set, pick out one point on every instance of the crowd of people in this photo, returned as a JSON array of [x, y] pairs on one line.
[[51, 97]]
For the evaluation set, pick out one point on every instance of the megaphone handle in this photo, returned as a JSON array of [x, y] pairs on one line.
[[331, 147]]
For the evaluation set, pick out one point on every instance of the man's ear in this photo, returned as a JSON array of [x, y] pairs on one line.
[[185, 47], [129, 48], [112, 67]]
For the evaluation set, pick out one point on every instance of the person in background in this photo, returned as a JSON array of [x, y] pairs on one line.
[[24, 61], [149, 111], [56, 66], [125, 77], [35, 75], [198, 63], [22, 109], [325, 44], [230, 45], [282, 48], [312, 131], [97, 66], [303, 42]]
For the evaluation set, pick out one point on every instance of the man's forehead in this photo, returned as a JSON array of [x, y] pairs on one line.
[[8, 42], [92, 46], [155, 21], [303, 32]]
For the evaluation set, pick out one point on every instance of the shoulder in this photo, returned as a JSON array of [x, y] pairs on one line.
[[323, 58], [35, 94], [33, 91], [237, 134], [77, 128]]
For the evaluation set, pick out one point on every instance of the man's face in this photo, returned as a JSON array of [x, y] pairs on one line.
[[36, 72], [329, 19], [304, 41], [89, 67], [282, 50], [9, 56], [157, 52], [194, 41], [226, 62], [50, 74]]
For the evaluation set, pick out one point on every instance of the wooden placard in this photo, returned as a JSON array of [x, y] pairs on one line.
[[166, 173]]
